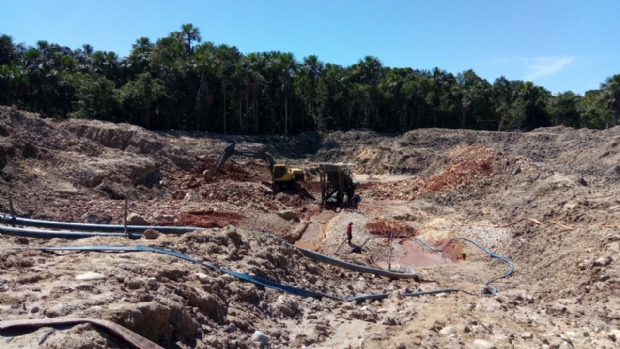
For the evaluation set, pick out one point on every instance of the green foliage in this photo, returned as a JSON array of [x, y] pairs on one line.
[[138, 97], [96, 97], [180, 82]]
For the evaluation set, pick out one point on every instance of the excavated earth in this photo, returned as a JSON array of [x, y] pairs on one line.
[[549, 200]]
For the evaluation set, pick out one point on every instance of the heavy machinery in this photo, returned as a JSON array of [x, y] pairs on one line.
[[336, 181], [283, 177]]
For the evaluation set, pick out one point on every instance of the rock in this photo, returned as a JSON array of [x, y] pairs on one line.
[[232, 234], [15, 305], [481, 343], [614, 335], [152, 281], [601, 262], [202, 277], [448, 330], [179, 194], [22, 240], [227, 278], [516, 170], [135, 219], [389, 321], [582, 181], [151, 234], [289, 301], [191, 197], [260, 337], [120, 278], [284, 309], [90, 276], [133, 284], [363, 315], [288, 214], [230, 328], [526, 335], [371, 310]]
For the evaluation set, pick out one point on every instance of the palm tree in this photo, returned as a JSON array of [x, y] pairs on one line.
[[9, 51], [612, 94], [224, 66], [142, 43], [190, 33], [288, 75], [312, 70], [256, 65], [204, 60]]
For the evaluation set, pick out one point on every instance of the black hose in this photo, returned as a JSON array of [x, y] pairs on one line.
[[256, 280], [140, 248], [47, 234], [107, 228]]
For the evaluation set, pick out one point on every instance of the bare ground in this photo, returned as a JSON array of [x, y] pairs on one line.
[[548, 200]]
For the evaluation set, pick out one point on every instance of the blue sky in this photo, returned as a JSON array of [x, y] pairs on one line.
[[561, 45]]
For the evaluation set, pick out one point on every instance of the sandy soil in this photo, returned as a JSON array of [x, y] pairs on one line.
[[547, 199]]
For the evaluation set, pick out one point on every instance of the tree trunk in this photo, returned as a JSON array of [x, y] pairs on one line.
[[240, 122], [255, 121], [615, 117], [198, 111], [285, 117], [224, 109]]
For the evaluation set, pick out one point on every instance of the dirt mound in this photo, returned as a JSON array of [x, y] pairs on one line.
[[464, 166], [385, 227], [119, 136]]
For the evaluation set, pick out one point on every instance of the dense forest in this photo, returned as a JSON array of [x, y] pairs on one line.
[[177, 82]]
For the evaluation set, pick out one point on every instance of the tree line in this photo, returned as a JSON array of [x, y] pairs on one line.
[[180, 82]]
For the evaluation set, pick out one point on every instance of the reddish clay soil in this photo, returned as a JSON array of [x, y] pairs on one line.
[[206, 219], [384, 227], [463, 172], [467, 166]]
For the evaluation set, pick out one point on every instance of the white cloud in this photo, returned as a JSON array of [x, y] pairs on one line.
[[539, 67]]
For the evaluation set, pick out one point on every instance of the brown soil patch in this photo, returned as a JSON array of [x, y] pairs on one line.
[[206, 219], [231, 171], [384, 227]]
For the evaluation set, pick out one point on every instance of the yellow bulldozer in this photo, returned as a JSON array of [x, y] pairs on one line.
[[283, 177]]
